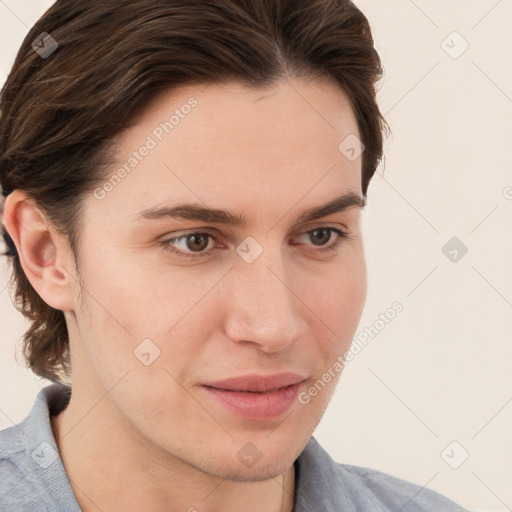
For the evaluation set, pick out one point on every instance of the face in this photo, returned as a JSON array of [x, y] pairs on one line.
[[176, 303]]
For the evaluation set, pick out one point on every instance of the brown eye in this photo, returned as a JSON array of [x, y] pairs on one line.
[[321, 234], [197, 241], [190, 243]]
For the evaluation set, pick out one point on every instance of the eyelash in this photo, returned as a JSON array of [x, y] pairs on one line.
[[342, 235]]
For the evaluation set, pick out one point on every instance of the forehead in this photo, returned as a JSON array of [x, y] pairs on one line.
[[227, 142]]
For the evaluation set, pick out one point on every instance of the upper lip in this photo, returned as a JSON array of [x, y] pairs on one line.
[[257, 383]]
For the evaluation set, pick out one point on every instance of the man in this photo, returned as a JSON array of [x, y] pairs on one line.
[[187, 236]]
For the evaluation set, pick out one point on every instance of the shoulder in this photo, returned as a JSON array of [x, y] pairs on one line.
[[354, 488], [17, 491], [32, 477], [391, 492]]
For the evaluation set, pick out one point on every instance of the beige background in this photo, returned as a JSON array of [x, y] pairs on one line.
[[439, 372]]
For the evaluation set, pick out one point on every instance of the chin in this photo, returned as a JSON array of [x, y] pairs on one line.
[[270, 463], [259, 472]]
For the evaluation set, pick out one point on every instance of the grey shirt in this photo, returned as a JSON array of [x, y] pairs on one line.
[[33, 478]]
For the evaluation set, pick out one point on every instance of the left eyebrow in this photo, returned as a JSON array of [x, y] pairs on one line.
[[339, 204], [194, 211]]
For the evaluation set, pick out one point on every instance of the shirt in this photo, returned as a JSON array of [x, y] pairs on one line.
[[33, 478]]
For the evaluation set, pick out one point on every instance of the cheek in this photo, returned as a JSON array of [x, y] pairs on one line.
[[336, 302], [338, 296], [125, 306], [145, 296], [137, 347], [337, 305]]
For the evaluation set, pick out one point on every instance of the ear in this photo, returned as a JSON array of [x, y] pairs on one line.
[[44, 255]]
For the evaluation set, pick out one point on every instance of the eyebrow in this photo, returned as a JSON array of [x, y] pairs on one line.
[[194, 211]]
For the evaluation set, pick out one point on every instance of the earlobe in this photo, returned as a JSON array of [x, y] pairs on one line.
[[39, 255]]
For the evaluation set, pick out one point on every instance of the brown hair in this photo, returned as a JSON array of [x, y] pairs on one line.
[[59, 114]]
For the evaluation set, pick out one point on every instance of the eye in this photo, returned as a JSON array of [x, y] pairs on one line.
[[324, 235], [197, 242], [194, 241]]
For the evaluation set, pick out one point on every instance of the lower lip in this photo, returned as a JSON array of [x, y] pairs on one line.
[[256, 406]]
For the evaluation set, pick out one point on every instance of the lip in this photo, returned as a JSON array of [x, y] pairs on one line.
[[257, 383], [256, 397]]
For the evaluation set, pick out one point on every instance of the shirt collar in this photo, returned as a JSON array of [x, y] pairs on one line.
[[47, 470]]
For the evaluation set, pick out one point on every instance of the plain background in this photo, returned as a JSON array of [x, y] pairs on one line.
[[439, 372]]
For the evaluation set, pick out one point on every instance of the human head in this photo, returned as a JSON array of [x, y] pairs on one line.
[[63, 118], [59, 114]]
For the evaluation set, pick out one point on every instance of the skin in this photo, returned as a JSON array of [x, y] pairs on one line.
[[137, 437]]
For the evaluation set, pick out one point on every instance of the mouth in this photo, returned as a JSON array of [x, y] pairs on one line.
[[255, 398]]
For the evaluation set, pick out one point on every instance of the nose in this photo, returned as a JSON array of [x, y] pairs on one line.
[[262, 307]]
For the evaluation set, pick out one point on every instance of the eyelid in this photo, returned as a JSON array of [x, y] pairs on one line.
[[340, 234], [237, 240]]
